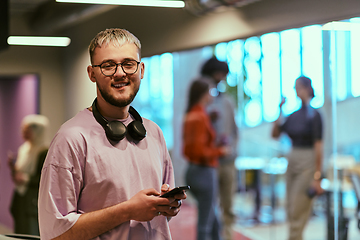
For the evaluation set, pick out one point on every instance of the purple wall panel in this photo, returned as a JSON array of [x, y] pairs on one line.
[[18, 98]]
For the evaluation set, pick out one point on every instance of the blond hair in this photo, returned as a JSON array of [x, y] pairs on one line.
[[115, 36], [38, 125]]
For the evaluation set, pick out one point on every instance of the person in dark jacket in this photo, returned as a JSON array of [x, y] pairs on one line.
[[304, 127]]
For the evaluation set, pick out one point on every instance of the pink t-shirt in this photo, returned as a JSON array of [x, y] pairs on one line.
[[84, 172]]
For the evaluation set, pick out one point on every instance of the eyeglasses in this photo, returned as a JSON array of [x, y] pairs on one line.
[[109, 68]]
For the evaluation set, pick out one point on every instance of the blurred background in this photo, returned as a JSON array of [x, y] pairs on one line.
[[267, 44]]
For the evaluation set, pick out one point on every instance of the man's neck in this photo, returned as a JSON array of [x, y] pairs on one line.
[[111, 111]]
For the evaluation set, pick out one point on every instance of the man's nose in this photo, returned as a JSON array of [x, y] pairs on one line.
[[119, 71]]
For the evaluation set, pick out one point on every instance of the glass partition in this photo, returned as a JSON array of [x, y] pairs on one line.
[[341, 49], [263, 70]]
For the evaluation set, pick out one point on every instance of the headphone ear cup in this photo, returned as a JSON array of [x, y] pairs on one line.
[[115, 130], [136, 130]]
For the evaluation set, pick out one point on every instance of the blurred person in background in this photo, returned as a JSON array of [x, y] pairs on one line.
[[303, 176], [25, 173], [202, 153], [222, 113]]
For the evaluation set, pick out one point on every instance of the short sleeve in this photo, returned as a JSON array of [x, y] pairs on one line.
[[60, 187], [57, 213], [317, 127]]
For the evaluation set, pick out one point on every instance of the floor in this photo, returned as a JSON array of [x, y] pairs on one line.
[[5, 230], [271, 224], [183, 226]]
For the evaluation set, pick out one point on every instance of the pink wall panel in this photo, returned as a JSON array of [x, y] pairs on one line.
[[18, 98]]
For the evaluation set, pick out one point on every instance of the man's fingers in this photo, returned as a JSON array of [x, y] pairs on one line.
[[165, 187], [151, 191], [180, 195]]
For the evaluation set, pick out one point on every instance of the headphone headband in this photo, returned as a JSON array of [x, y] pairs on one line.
[[99, 118], [116, 130]]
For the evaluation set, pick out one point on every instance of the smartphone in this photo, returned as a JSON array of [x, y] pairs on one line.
[[175, 191]]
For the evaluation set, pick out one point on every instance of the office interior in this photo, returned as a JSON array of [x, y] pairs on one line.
[[175, 42]]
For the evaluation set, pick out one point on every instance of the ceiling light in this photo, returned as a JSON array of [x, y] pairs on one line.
[[39, 41], [147, 3]]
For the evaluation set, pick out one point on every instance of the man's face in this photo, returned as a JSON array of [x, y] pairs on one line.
[[121, 88]]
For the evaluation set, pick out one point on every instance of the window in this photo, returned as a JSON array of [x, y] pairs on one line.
[[155, 98], [272, 63], [262, 70], [355, 56]]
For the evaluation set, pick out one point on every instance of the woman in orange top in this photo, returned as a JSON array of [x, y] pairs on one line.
[[200, 150]]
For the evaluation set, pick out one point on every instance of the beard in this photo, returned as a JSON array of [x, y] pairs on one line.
[[118, 102]]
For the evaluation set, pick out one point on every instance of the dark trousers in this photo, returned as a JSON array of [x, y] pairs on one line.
[[204, 187], [25, 213]]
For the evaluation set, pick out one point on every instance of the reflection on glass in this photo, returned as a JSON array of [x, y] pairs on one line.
[[221, 51], [341, 64], [253, 113], [155, 83], [355, 56], [312, 61], [156, 94], [290, 68], [167, 78], [252, 84], [143, 95], [235, 59], [270, 63], [252, 47]]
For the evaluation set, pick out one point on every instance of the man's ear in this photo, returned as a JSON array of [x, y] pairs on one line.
[[91, 73], [142, 68]]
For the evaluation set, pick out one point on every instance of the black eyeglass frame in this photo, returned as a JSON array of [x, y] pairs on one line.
[[117, 64]]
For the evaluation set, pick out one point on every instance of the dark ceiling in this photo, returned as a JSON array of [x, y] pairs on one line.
[[49, 16]]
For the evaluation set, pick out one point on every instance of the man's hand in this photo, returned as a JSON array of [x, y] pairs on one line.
[[142, 207], [317, 186], [173, 208], [145, 205], [20, 178]]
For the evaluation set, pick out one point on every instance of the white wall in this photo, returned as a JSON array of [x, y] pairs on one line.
[[80, 91]]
